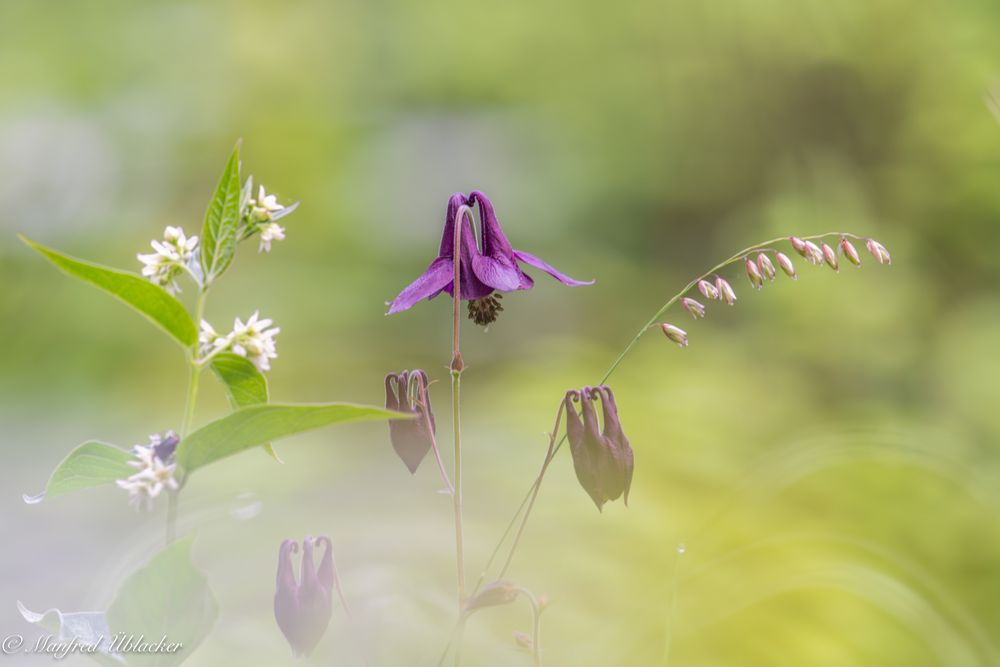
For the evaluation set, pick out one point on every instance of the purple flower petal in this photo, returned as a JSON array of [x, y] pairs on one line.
[[437, 277], [497, 273], [549, 269]]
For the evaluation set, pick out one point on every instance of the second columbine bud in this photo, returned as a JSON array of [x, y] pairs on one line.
[[303, 607], [602, 458], [411, 438]]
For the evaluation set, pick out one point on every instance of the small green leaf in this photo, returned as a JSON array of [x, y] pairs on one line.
[[222, 221], [168, 598], [257, 424], [245, 385], [149, 300], [90, 464]]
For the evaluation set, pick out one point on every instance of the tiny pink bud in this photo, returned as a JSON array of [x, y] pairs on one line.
[[798, 245], [753, 273], [726, 292], [850, 252], [765, 266], [813, 254], [676, 334], [786, 265], [830, 256], [523, 641], [878, 251], [708, 289], [696, 309]]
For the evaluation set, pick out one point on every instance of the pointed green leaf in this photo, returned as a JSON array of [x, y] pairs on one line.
[[168, 598], [151, 301], [222, 221], [90, 464], [245, 385], [254, 425]]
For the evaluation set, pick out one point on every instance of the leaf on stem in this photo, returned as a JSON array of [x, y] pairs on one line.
[[90, 464], [149, 300], [245, 385], [219, 234]]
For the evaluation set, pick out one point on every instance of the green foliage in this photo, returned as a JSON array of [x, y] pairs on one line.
[[88, 628], [219, 234], [147, 299], [245, 385], [258, 424], [168, 597], [90, 464]]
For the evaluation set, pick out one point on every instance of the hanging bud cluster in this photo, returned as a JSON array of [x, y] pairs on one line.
[[760, 269]]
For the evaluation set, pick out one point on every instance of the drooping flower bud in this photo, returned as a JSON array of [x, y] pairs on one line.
[[830, 256], [411, 438], [676, 334], [302, 608], [708, 290], [603, 459], [726, 292], [765, 266], [499, 592], [786, 265], [753, 273], [812, 253], [878, 251], [696, 309], [850, 252]]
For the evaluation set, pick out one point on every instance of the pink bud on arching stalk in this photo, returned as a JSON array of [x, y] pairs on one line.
[[726, 292], [765, 266], [830, 256], [850, 252], [707, 289], [786, 265], [798, 245], [878, 251], [813, 254], [753, 273], [676, 334], [696, 309]]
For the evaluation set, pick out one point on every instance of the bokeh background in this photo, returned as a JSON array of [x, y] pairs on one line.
[[826, 451]]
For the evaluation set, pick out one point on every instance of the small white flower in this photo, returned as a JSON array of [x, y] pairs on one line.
[[172, 255], [253, 339], [153, 473], [211, 341], [265, 207], [270, 232]]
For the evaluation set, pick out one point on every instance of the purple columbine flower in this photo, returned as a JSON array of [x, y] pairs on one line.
[[411, 438], [303, 608], [485, 268], [603, 459]]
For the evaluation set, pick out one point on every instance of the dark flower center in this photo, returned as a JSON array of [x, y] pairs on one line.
[[486, 310]]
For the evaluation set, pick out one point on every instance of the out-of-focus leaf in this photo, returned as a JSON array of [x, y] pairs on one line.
[[167, 598], [222, 221], [257, 424], [90, 464], [88, 628], [151, 301], [245, 385]]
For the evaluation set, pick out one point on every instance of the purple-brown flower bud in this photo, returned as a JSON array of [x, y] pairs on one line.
[[726, 292], [708, 290], [786, 265], [303, 608], [602, 458], [830, 257], [753, 273], [879, 252], [676, 334], [850, 252], [411, 438], [765, 266], [695, 308]]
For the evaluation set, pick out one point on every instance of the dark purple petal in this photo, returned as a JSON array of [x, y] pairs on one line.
[[438, 276], [498, 273], [528, 258], [495, 244], [456, 201]]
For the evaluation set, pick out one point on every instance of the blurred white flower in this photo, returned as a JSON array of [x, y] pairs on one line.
[[252, 339], [270, 232], [265, 206], [154, 471], [211, 341], [175, 254]]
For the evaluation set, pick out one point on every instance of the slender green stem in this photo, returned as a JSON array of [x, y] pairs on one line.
[[456, 389]]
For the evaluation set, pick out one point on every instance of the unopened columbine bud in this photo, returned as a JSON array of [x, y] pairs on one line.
[[798, 245], [878, 251], [812, 253], [850, 252], [786, 265], [303, 607], [753, 273], [765, 266], [830, 256], [708, 290], [696, 309], [726, 292], [602, 457], [676, 334], [411, 438]]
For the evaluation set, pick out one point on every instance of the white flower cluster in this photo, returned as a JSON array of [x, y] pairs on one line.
[[153, 473], [261, 215], [252, 339], [174, 255]]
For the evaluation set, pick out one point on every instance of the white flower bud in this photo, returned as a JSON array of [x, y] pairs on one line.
[[753, 273], [878, 251], [675, 334], [708, 290], [786, 265], [696, 309], [830, 256], [726, 292], [850, 252], [765, 266]]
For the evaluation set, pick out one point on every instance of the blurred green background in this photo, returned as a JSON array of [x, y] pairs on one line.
[[826, 451]]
